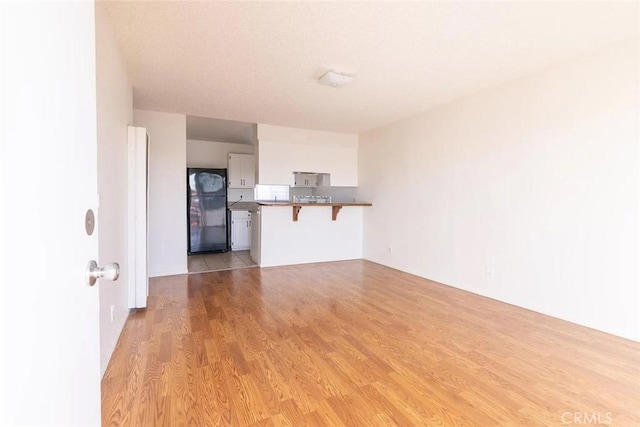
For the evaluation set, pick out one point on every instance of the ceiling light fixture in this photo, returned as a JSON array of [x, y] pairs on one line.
[[333, 79]]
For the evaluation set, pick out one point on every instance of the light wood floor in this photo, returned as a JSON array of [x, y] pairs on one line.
[[357, 344]]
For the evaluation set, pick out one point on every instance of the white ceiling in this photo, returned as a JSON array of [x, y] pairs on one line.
[[258, 62]]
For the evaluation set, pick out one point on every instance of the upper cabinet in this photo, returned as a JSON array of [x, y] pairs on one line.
[[282, 151], [302, 179], [241, 171]]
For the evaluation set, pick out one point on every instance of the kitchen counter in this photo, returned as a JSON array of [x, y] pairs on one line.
[[298, 233], [335, 207], [314, 204], [287, 203], [243, 206]]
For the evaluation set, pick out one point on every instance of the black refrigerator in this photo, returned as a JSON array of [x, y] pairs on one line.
[[207, 210]]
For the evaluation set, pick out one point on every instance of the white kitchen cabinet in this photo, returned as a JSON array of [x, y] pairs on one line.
[[240, 231], [241, 169], [256, 226], [305, 179]]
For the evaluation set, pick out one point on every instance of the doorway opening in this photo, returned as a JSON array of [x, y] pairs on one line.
[[220, 261]]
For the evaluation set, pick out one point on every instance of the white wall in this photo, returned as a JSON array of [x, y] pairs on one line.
[[527, 193], [167, 191], [313, 238], [208, 154], [283, 150], [114, 114]]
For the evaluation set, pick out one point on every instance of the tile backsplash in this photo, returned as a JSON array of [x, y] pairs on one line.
[[285, 192], [271, 192], [337, 194]]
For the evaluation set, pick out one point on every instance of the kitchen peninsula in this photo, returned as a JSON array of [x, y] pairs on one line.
[[297, 233]]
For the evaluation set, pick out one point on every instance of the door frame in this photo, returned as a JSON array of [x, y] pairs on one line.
[[138, 214]]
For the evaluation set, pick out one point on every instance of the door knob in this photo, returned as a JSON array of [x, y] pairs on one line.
[[108, 272]]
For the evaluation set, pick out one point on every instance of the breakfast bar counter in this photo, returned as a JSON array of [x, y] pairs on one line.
[[296, 207], [298, 233]]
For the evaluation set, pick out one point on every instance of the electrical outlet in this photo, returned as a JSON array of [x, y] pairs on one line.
[[112, 313], [489, 273], [390, 249]]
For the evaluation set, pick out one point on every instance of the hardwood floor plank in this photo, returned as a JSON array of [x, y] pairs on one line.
[[391, 413], [356, 344], [269, 396], [221, 394], [349, 414], [328, 415], [256, 406], [403, 396], [315, 419]]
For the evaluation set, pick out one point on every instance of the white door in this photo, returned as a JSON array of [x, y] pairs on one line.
[[50, 365]]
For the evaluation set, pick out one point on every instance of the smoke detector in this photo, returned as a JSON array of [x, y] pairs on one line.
[[333, 79]]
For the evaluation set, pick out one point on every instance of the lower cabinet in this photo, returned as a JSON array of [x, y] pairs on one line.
[[240, 231]]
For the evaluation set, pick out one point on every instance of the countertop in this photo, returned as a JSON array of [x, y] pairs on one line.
[[243, 206], [314, 204]]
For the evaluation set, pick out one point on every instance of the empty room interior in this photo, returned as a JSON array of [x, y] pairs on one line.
[[368, 213]]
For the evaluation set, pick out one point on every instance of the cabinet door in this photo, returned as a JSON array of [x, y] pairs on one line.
[[240, 230], [240, 235], [248, 171], [305, 180], [234, 171], [312, 180], [241, 171]]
